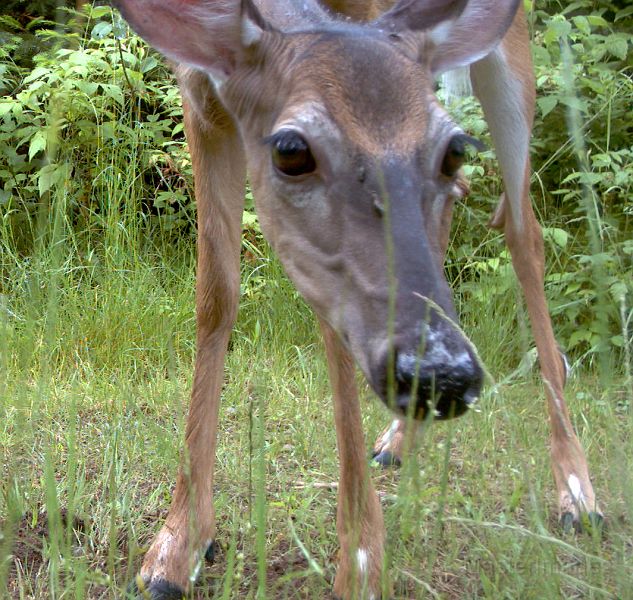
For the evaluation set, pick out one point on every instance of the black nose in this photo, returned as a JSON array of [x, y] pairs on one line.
[[447, 383]]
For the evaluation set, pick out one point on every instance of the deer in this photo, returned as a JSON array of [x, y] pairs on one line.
[[355, 168]]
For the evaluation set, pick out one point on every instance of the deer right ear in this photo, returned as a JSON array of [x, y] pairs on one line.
[[461, 31], [206, 34]]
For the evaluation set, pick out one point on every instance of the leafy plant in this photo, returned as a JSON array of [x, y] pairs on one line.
[[76, 121], [582, 186]]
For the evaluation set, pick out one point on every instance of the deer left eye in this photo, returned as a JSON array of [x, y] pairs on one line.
[[455, 156], [456, 153], [291, 154]]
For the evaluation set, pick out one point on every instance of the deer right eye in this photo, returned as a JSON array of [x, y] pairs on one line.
[[291, 154]]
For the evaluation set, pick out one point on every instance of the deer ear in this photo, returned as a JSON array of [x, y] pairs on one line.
[[205, 34], [461, 31]]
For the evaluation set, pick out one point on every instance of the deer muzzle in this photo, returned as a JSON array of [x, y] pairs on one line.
[[439, 374]]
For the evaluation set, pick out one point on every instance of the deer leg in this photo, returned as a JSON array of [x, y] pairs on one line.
[[359, 520], [504, 83], [170, 565], [389, 445]]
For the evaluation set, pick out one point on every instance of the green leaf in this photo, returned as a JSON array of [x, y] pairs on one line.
[[250, 220], [618, 341], [47, 177], [557, 28], [36, 73], [625, 12], [582, 24], [6, 106], [113, 91], [87, 87], [11, 22], [80, 59], [547, 104], [619, 290], [578, 336], [101, 30], [559, 236], [120, 27], [100, 11], [597, 21], [38, 143], [148, 64], [617, 45]]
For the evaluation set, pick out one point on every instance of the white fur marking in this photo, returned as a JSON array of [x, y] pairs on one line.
[[501, 95], [362, 557], [195, 571], [575, 489], [442, 32], [251, 33], [390, 433], [435, 354]]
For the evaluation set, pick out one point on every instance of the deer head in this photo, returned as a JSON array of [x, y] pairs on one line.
[[352, 162]]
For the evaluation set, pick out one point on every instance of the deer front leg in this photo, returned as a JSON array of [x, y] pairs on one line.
[[359, 520], [387, 451], [575, 492], [170, 566], [504, 83]]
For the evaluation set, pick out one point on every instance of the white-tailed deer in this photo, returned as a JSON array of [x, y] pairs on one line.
[[354, 166]]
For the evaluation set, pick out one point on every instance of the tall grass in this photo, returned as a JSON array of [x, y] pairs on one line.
[[96, 354]]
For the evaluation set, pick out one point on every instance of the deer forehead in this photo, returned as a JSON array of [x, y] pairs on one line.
[[377, 98]]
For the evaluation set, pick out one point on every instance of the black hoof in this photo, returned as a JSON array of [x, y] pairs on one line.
[[386, 459], [158, 589], [588, 522], [211, 552]]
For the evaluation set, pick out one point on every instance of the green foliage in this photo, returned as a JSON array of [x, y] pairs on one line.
[[582, 186], [79, 120], [585, 86]]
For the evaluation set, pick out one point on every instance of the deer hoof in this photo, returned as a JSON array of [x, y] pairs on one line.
[[386, 459], [212, 550], [586, 522], [158, 589]]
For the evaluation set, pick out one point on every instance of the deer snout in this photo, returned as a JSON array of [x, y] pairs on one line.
[[445, 378]]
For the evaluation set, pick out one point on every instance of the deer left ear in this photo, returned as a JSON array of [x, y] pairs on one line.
[[461, 32]]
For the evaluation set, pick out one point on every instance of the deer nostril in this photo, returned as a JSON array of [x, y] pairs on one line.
[[447, 384]]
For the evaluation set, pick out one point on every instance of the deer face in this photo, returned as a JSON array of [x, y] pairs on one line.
[[353, 164], [352, 167]]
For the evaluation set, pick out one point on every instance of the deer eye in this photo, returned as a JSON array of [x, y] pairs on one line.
[[456, 153], [291, 154], [454, 157]]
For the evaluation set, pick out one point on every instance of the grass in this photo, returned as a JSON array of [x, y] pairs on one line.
[[96, 365]]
